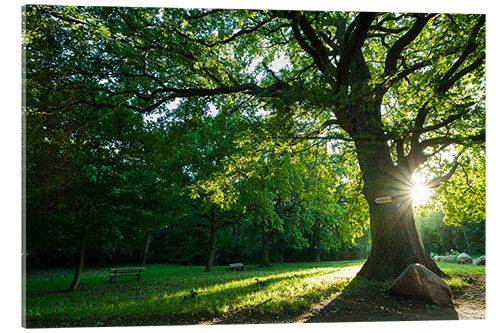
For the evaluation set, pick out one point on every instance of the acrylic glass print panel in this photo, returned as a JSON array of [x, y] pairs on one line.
[[224, 166]]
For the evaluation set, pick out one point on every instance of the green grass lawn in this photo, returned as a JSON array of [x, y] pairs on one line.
[[168, 290], [459, 273], [189, 290], [456, 269]]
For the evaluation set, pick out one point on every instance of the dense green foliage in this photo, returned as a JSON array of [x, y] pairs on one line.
[[184, 125], [441, 238]]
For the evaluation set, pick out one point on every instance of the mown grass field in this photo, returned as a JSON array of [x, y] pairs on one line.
[[171, 290]]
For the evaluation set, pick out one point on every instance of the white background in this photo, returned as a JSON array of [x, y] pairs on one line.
[[10, 181]]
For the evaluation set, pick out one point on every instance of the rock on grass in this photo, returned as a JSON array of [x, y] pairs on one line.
[[416, 281]]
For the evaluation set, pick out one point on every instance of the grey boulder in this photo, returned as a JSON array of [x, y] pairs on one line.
[[464, 258], [481, 261], [418, 282]]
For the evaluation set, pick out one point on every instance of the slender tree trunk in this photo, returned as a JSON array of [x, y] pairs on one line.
[[465, 236], [317, 254], [213, 245], [317, 245], [265, 248], [81, 260], [83, 241], [282, 259], [146, 249], [395, 240], [236, 232]]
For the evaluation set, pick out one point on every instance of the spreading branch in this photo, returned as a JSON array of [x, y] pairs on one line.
[[446, 140], [172, 93], [320, 49], [434, 183], [444, 123], [354, 43], [394, 52], [306, 47], [445, 85], [407, 71], [471, 45]]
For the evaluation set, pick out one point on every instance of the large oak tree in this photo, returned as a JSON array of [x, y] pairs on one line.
[[400, 89]]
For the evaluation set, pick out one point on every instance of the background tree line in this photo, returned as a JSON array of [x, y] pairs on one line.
[[186, 192]]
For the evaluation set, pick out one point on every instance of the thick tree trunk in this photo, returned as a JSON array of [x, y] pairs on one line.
[[395, 240], [81, 260], [265, 248], [213, 245]]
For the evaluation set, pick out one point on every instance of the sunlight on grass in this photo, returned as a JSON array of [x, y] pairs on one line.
[[454, 268], [168, 290], [457, 283], [268, 292], [191, 291]]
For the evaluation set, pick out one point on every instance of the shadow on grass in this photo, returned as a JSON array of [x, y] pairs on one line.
[[169, 301], [249, 297], [364, 300]]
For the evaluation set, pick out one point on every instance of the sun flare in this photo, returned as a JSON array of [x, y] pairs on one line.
[[420, 194]]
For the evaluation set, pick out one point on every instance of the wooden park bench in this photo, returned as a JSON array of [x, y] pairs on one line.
[[114, 272], [236, 267]]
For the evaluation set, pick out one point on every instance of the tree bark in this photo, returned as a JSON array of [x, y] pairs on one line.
[[81, 261], [395, 240]]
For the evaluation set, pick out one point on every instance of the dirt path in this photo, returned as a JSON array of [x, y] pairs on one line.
[[471, 302], [377, 305]]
